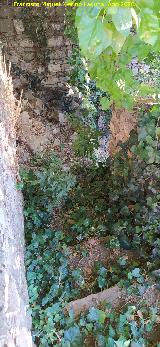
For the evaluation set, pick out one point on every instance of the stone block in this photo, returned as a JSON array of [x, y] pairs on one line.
[[56, 143], [6, 26], [62, 118], [54, 67], [18, 24], [56, 26], [59, 54], [26, 43], [51, 80], [28, 56], [55, 41]]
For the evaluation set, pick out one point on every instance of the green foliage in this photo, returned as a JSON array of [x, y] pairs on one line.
[[48, 185], [50, 284], [70, 30], [87, 140], [109, 328], [78, 72], [147, 144], [85, 120], [110, 37], [121, 199]]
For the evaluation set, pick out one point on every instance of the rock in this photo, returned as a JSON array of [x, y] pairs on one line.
[[17, 83], [74, 136], [14, 59], [18, 24], [25, 117], [66, 168], [50, 81], [55, 41], [54, 67], [41, 69], [38, 106], [62, 118], [28, 56], [55, 131], [56, 143], [26, 43], [34, 133], [56, 26], [52, 116]]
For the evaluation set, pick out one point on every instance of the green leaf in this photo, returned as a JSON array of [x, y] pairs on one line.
[[130, 276], [149, 28], [122, 20], [136, 344], [73, 336], [136, 272], [105, 103], [20, 185], [94, 36], [118, 41], [122, 342], [112, 332], [96, 315]]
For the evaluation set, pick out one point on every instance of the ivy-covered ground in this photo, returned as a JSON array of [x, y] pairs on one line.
[[116, 202]]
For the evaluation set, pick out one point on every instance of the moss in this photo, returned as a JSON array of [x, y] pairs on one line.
[[33, 25]]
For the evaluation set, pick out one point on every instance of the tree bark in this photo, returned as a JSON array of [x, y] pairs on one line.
[[14, 320], [121, 124]]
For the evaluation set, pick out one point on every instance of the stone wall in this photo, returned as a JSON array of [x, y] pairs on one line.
[[33, 40], [15, 322]]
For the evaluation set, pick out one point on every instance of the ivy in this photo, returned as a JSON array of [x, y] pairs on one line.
[[110, 37], [119, 200], [48, 185]]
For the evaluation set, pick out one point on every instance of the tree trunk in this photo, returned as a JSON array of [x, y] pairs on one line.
[[14, 321], [116, 297], [121, 124]]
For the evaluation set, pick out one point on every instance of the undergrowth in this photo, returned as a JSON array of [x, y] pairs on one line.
[[118, 200]]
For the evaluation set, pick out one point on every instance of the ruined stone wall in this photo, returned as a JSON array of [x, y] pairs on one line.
[[15, 322], [33, 40]]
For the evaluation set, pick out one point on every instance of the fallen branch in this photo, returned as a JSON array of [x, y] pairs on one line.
[[115, 296]]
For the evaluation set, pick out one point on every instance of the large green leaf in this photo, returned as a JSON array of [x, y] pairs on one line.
[[118, 41], [122, 20], [106, 40], [94, 36], [149, 27], [145, 3]]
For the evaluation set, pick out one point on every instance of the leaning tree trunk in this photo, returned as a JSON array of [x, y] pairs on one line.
[[121, 124], [14, 321]]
